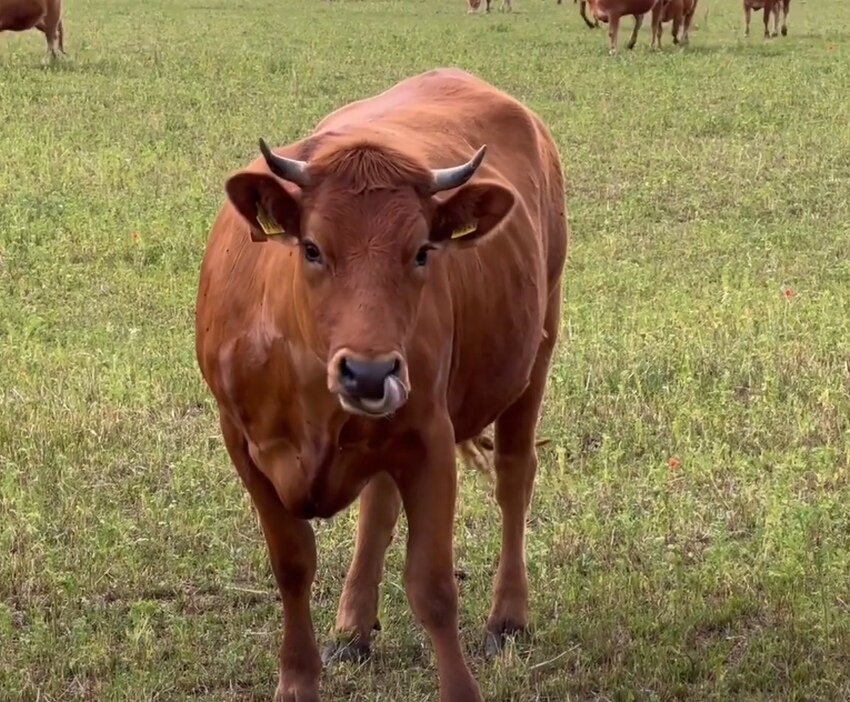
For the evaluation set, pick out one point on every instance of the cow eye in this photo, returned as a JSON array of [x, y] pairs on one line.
[[422, 255], [311, 252]]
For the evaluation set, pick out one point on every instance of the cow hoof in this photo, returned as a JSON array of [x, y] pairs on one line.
[[494, 641], [785, 31], [346, 651]]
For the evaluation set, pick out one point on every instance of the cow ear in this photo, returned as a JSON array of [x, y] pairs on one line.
[[471, 213], [268, 208]]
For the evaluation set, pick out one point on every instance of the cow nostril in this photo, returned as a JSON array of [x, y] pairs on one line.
[[345, 371]]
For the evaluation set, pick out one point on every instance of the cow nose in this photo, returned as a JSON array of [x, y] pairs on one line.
[[365, 379]]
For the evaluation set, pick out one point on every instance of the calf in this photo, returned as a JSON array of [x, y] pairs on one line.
[[44, 15], [680, 12], [611, 11], [769, 7]]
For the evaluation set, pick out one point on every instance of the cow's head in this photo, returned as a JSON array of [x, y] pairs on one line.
[[367, 223]]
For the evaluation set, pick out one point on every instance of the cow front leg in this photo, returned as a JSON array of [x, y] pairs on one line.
[[747, 17], [357, 615], [428, 490], [292, 552]]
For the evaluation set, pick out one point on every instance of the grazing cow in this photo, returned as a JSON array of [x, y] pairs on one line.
[[769, 7], [475, 4], [372, 296], [680, 12], [44, 15], [611, 11]]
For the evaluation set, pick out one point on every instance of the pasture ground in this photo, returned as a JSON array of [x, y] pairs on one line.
[[707, 320]]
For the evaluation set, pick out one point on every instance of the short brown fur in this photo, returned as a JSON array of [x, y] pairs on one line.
[[475, 329]]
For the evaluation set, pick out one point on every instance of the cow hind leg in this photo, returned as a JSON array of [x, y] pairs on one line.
[[656, 26], [292, 552], [686, 38], [357, 615], [613, 29], [747, 17], [516, 466], [51, 30], [786, 6], [582, 9], [633, 40], [677, 25]]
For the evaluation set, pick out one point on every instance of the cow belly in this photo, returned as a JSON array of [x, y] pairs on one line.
[[21, 18], [494, 390]]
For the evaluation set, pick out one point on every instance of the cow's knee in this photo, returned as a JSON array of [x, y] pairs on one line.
[[433, 600]]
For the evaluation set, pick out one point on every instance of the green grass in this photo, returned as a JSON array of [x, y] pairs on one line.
[[702, 185]]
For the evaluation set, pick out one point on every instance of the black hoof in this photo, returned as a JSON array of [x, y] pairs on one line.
[[494, 642], [340, 651], [785, 31]]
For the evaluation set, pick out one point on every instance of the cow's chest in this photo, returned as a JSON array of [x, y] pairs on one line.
[[320, 472]]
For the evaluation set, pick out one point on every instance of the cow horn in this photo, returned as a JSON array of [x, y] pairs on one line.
[[448, 178], [286, 168]]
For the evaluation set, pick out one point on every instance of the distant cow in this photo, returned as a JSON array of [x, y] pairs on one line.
[[44, 15], [680, 12], [769, 7], [611, 11], [475, 4], [372, 296]]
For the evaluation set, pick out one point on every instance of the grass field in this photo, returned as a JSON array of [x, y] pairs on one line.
[[690, 533]]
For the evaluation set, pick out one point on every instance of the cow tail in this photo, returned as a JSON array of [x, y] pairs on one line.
[[478, 453]]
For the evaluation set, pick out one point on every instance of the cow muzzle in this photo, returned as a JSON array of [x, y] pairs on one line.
[[373, 386]]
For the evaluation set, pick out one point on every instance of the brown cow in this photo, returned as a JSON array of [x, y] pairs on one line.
[[611, 11], [769, 7], [475, 4], [680, 12], [44, 15], [404, 297]]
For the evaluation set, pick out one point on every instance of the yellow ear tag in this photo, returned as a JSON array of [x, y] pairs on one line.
[[463, 231], [267, 223]]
